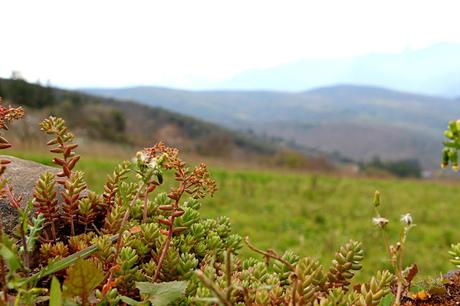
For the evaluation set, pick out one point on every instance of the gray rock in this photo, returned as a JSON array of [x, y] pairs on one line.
[[22, 176]]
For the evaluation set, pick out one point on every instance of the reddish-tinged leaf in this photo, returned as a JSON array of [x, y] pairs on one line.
[[412, 272], [66, 170], [135, 229], [73, 161], [178, 213], [179, 230], [164, 221], [52, 142], [58, 161], [82, 278]]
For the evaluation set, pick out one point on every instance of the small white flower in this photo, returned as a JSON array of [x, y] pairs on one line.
[[141, 156], [407, 219], [153, 163], [380, 221]]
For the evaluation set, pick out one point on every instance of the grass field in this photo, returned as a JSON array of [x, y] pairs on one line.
[[314, 215]]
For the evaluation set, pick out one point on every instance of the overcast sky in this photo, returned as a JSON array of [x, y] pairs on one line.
[[191, 43]]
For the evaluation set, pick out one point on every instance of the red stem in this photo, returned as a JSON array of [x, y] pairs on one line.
[[170, 231]]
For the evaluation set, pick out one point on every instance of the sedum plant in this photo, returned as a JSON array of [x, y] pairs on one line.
[[137, 244], [291, 281], [451, 146], [450, 156]]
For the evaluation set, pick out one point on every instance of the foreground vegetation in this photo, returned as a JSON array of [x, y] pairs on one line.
[[138, 237], [313, 214]]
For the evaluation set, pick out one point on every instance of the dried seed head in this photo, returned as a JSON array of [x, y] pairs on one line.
[[406, 219], [380, 221]]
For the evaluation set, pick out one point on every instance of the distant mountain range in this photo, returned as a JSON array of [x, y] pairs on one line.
[[359, 122], [434, 70]]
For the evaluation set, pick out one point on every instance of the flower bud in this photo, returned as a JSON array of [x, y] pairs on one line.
[[445, 158], [449, 134], [376, 201]]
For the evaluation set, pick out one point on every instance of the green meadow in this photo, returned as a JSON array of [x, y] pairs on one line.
[[314, 214]]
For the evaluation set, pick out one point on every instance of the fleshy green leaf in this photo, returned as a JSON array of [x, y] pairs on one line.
[[132, 302], [55, 293], [11, 259], [34, 231], [387, 300], [82, 279], [162, 294]]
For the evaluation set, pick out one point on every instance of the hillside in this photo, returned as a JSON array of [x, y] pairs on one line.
[[123, 123], [359, 122]]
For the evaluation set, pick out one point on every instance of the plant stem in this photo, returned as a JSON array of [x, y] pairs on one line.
[[213, 288], [228, 272], [269, 254], [72, 227], [24, 244], [164, 252], [2, 267], [53, 230], [294, 290], [124, 220], [398, 293], [401, 263], [146, 193]]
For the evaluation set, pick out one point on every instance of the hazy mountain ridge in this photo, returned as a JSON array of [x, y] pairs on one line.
[[357, 121], [432, 70]]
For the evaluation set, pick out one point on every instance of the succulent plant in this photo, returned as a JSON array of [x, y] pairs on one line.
[[133, 244]]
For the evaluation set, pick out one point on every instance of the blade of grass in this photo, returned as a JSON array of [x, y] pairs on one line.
[[64, 263]]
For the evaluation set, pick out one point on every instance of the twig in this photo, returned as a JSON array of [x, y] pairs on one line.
[[272, 254], [269, 254]]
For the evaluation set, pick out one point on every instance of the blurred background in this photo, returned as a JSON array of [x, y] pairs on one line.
[[300, 107]]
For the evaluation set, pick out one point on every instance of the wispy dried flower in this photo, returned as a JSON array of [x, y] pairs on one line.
[[407, 219], [380, 221]]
